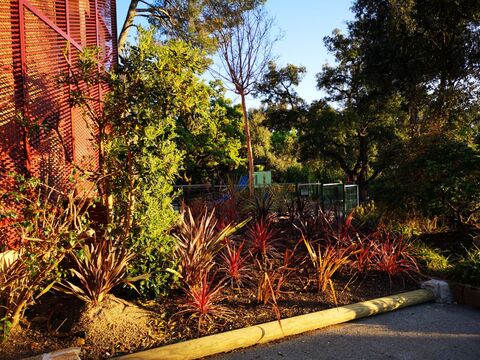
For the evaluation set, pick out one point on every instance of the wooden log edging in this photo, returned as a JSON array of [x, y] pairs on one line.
[[263, 333]]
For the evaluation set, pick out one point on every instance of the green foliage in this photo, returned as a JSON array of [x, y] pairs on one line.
[[50, 223], [284, 106], [354, 122], [157, 85], [367, 216], [194, 21], [425, 50], [211, 139], [280, 151], [432, 259], [467, 269], [437, 175]]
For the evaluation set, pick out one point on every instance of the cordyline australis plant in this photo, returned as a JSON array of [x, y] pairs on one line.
[[99, 267], [52, 224], [393, 255], [198, 242], [202, 302], [326, 262], [271, 278], [233, 264], [261, 238]]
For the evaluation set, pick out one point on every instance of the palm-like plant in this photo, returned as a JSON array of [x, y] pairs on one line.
[[234, 264], [326, 262], [262, 239], [198, 242], [99, 267], [202, 302]]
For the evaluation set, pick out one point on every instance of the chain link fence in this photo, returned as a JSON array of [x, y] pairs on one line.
[[336, 197]]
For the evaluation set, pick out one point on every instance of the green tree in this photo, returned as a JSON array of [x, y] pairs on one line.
[[212, 142], [277, 90], [362, 123], [193, 21], [428, 51], [436, 175], [156, 85]]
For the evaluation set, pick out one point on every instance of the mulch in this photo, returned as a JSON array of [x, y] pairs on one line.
[[52, 323]]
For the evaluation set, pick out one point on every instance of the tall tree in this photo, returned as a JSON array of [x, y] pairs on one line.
[[245, 51], [353, 122], [191, 20], [211, 138], [284, 107], [427, 50]]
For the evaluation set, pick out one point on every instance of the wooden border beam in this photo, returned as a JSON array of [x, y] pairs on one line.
[[259, 334]]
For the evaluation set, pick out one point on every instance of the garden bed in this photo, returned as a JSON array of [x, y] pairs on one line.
[[52, 323]]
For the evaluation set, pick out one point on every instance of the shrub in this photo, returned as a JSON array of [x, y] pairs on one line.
[[432, 259], [467, 269], [52, 223], [435, 175], [363, 256], [233, 264], [271, 278], [201, 302], [261, 205], [198, 242], [326, 262], [261, 238], [367, 216], [99, 267], [393, 255]]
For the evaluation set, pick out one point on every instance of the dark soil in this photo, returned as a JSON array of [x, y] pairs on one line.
[[118, 327]]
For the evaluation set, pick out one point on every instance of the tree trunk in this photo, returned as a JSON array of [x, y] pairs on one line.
[[249, 145], [132, 12], [363, 167]]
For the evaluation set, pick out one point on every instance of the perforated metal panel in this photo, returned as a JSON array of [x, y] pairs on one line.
[[33, 37]]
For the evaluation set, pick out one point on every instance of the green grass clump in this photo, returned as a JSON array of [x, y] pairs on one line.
[[467, 269], [432, 259]]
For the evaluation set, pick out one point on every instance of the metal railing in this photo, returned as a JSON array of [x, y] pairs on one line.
[[331, 196]]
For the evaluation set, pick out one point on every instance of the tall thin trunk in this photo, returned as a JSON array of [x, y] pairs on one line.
[[132, 12], [249, 145]]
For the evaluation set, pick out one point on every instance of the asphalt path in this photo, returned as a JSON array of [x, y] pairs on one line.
[[423, 332]]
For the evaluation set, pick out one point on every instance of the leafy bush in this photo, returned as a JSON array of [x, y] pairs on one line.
[[156, 89], [99, 267], [198, 242], [51, 225], [436, 175], [467, 269], [201, 302], [367, 216], [432, 259]]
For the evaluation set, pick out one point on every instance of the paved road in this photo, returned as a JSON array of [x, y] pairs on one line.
[[423, 332]]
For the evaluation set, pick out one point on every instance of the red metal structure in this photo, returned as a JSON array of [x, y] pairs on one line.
[[33, 37]]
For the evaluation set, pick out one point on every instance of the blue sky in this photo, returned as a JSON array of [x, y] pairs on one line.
[[304, 23]]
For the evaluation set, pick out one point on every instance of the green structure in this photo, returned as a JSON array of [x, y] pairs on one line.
[[262, 178]]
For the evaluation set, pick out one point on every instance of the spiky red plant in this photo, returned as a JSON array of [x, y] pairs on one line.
[[234, 264], [261, 237], [202, 302], [363, 256], [393, 255]]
